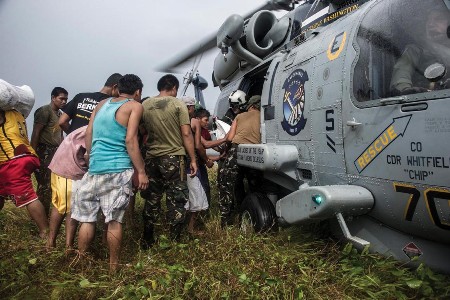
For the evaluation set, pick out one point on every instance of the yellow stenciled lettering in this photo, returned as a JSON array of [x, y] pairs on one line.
[[384, 141], [372, 152], [376, 147], [392, 134], [367, 158], [361, 162]]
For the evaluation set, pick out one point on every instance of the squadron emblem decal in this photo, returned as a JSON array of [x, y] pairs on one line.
[[294, 102]]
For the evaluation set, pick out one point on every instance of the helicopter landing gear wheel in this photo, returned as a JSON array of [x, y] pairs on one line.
[[257, 214]]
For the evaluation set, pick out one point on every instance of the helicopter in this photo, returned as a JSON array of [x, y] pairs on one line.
[[339, 143]]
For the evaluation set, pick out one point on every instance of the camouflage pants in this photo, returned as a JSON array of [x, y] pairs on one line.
[[43, 174], [230, 184], [166, 174]]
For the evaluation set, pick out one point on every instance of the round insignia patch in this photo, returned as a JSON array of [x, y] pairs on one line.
[[294, 102]]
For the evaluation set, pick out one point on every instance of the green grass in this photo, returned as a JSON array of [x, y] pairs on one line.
[[293, 263]]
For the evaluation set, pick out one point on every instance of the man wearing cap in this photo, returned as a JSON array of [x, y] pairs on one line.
[[198, 200], [245, 129], [166, 121]]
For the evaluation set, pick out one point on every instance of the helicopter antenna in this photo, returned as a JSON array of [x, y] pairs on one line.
[[313, 7]]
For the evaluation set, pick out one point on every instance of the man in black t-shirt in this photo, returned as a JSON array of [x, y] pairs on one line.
[[80, 108]]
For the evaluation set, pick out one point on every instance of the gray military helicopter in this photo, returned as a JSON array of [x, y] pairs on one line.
[[355, 118]]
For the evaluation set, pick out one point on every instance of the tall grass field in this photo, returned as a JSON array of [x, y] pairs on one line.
[[290, 263]]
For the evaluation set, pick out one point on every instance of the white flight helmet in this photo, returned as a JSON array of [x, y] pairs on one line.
[[237, 97]]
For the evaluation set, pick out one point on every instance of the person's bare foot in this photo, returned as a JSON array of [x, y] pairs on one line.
[[49, 246], [69, 250], [43, 235], [113, 268]]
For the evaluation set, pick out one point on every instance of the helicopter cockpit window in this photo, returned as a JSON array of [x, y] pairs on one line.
[[397, 41]]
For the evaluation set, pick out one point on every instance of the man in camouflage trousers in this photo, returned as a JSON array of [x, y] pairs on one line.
[[245, 129], [230, 195], [166, 121], [237, 101]]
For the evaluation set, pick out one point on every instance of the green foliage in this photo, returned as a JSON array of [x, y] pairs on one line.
[[223, 264]]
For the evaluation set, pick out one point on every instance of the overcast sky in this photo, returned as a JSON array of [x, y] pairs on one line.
[[77, 44]]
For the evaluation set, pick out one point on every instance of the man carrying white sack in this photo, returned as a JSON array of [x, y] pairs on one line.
[[17, 158]]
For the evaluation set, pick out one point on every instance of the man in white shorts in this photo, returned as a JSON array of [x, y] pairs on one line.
[[198, 200], [112, 150]]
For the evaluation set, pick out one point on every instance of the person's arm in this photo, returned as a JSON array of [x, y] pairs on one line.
[[142, 129], [211, 144], [88, 137], [68, 111], [404, 69], [195, 124], [64, 122], [188, 143], [216, 157], [2, 117], [132, 144], [230, 135], [40, 119], [36, 134]]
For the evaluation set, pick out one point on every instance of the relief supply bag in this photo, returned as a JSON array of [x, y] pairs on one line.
[[20, 98]]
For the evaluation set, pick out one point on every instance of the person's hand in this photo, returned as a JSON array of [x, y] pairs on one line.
[[215, 158], [140, 181], [444, 84], [223, 154], [193, 169], [209, 163]]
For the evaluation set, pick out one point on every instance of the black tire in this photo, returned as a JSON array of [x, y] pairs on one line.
[[257, 213]]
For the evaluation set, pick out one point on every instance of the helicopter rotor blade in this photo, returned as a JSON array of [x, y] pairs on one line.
[[204, 45], [209, 41]]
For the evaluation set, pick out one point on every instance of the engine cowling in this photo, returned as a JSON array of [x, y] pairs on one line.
[[224, 69], [255, 33], [262, 34]]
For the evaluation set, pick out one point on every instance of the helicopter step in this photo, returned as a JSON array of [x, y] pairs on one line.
[[388, 241], [354, 239]]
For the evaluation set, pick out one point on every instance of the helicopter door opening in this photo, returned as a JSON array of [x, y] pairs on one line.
[[253, 82]]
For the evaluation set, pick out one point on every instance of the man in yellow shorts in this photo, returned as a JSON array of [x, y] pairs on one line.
[[68, 167]]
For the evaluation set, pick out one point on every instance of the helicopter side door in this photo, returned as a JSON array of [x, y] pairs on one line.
[[286, 103]]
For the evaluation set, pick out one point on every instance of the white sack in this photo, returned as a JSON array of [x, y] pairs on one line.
[[20, 98], [222, 129]]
